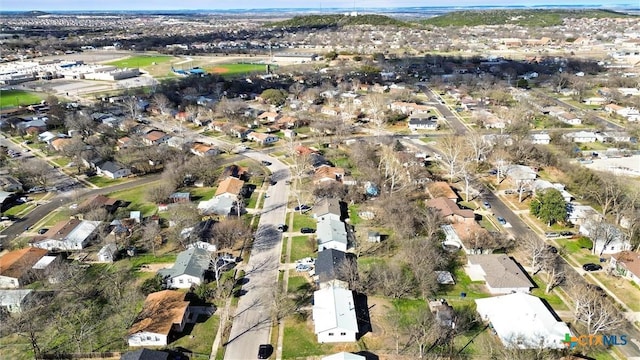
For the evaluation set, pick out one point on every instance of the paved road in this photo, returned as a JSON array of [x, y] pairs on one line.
[[63, 199], [454, 121], [252, 320]]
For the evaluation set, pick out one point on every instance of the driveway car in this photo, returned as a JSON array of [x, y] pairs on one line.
[[282, 227], [264, 351], [306, 230], [591, 267], [302, 207], [501, 220], [566, 233], [265, 163], [42, 231], [302, 267]]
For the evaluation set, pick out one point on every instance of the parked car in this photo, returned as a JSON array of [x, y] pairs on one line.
[[302, 207], [306, 230], [552, 249], [591, 267], [272, 182], [493, 172], [42, 231], [501, 220], [306, 261], [509, 192], [265, 163], [552, 234], [264, 351], [302, 267], [283, 227], [486, 204], [566, 233]]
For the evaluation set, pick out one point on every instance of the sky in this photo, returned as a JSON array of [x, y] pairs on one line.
[[52, 5]]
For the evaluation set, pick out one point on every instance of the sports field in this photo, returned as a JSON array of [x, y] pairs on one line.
[[236, 69], [140, 61], [17, 98]]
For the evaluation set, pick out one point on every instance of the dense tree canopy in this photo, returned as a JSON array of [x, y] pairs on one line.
[[549, 206]]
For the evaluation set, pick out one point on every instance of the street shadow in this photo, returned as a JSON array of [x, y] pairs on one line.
[[368, 355]]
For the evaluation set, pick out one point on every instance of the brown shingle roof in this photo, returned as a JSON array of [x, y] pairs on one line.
[[441, 188], [448, 207], [60, 230], [98, 201], [630, 260], [16, 263], [230, 185], [154, 135], [328, 172], [161, 310]]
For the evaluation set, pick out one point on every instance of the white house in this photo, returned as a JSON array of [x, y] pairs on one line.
[[112, 170], [15, 299], [16, 266], [73, 234], [583, 136], [579, 214], [540, 138], [422, 124], [108, 253], [327, 207], [523, 321], [334, 315], [539, 185], [163, 312], [331, 233], [607, 238], [501, 274], [262, 138], [188, 269]]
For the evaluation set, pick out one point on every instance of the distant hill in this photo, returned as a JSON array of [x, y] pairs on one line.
[[528, 18], [337, 20], [33, 13]]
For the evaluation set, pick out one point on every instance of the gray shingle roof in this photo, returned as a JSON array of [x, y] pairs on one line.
[[192, 262], [328, 264], [501, 271]]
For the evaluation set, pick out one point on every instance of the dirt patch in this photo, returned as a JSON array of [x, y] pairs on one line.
[[155, 267], [218, 70]]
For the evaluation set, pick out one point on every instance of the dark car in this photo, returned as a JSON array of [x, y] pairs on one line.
[[283, 227], [302, 207], [566, 233], [306, 230], [591, 267], [265, 163], [42, 231], [264, 351], [552, 249], [501, 220], [272, 182], [486, 205]]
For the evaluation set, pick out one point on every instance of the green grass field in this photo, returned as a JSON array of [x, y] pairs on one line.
[[236, 69], [10, 98], [140, 61]]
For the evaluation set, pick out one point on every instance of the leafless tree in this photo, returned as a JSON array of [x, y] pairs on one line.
[[159, 192], [131, 105], [231, 108], [296, 89], [394, 173], [151, 235], [35, 172], [595, 311], [453, 153], [230, 232], [602, 234], [608, 195]]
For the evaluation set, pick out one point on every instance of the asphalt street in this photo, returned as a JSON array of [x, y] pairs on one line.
[[252, 320]]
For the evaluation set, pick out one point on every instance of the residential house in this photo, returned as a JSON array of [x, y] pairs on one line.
[[236, 171], [540, 185], [328, 173], [344, 356], [155, 137], [268, 117], [163, 312], [523, 321], [16, 267], [501, 273], [334, 315], [125, 142], [540, 138], [107, 253], [627, 264], [224, 199], [58, 144], [422, 124], [583, 136], [9, 183], [113, 170], [188, 270], [180, 197], [569, 118], [331, 268], [578, 214], [14, 300], [288, 122], [331, 233], [450, 211], [408, 108], [443, 313], [328, 207], [262, 138], [145, 354], [240, 132], [100, 201], [67, 235], [442, 189], [607, 238], [201, 149]]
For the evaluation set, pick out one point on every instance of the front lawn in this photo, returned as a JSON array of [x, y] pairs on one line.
[[624, 289], [300, 341], [145, 259], [17, 209], [203, 193], [302, 247], [552, 298], [298, 283], [302, 220], [201, 336], [103, 181]]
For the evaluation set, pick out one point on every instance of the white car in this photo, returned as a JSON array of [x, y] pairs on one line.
[[306, 261], [302, 268]]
